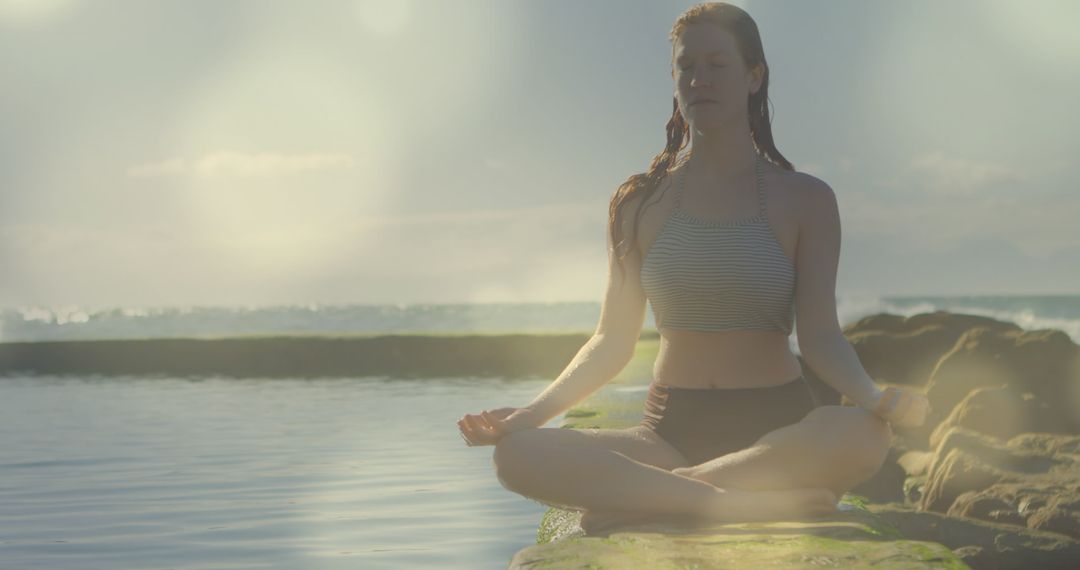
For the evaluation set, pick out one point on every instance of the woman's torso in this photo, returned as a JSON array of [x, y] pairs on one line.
[[737, 358]]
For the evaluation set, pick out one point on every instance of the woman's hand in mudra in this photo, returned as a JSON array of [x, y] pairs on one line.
[[902, 408], [488, 427]]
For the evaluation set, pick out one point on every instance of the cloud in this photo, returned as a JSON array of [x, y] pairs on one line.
[[171, 167], [267, 164], [384, 19], [548, 252], [496, 164], [553, 252], [955, 175], [242, 165], [813, 168], [847, 164], [935, 200]]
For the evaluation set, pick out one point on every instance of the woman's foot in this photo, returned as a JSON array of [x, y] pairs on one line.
[[737, 505], [595, 522], [730, 505]]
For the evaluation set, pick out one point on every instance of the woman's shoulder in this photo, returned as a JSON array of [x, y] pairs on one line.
[[796, 195], [789, 176], [810, 197], [812, 188], [802, 185]]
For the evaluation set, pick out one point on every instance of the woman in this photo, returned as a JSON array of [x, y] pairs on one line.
[[730, 431]]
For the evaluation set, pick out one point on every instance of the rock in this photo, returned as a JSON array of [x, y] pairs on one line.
[[904, 350], [1002, 412], [949, 355], [956, 323], [958, 473], [915, 462], [1047, 444], [900, 350], [887, 485], [1060, 515], [853, 539], [1053, 507], [984, 545], [986, 506], [913, 489], [974, 556], [1020, 454], [1042, 362], [1032, 480]]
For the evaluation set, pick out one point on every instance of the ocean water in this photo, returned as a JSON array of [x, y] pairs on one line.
[[117, 473], [73, 322]]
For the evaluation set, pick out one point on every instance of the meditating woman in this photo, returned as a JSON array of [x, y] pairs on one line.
[[731, 245]]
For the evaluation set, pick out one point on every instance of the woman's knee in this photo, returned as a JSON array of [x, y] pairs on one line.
[[859, 437], [514, 452]]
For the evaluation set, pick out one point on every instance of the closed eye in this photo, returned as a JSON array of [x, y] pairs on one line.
[[686, 67]]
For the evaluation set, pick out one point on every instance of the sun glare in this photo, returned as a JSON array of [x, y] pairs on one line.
[[284, 155], [30, 12]]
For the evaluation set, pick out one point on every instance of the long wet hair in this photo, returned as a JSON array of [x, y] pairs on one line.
[[644, 185]]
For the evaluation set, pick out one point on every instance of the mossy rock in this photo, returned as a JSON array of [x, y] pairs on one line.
[[558, 524], [775, 548]]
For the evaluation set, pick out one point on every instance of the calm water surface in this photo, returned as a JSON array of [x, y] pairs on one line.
[[227, 473]]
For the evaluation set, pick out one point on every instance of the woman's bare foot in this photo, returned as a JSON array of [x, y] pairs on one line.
[[737, 505], [595, 522], [730, 505]]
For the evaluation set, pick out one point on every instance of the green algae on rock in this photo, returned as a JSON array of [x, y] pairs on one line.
[[762, 546], [853, 538]]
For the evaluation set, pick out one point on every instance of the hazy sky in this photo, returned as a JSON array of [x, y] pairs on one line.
[[263, 152]]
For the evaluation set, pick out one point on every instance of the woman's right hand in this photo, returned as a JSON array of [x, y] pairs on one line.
[[902, 408], [488, 427]]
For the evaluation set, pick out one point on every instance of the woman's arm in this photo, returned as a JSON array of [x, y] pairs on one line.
[[622, 315], [594, 365], [835, 361], [821, 341], [601, 359]]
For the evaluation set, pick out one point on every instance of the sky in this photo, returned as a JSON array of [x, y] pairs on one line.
[[179, 153]]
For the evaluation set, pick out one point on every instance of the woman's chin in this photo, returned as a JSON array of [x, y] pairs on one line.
[[709, 126]]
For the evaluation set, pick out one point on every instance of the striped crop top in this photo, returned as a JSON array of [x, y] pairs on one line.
[[719, 275]]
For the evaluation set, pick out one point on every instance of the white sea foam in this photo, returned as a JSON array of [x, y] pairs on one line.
[[74, 322]]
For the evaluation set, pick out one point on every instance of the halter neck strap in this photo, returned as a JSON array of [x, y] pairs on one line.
[[759, 176]]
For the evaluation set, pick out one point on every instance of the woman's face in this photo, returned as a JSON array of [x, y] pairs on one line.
[[711, 82]]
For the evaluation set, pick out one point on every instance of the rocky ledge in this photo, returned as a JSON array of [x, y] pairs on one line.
[[855, 539]]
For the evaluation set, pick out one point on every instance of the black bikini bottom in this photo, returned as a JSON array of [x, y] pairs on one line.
[[705, 423]]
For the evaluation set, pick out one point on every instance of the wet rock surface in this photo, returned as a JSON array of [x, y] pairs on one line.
[[854, 539], [1032, 480]]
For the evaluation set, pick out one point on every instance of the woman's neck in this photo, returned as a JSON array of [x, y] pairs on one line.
[[722, 154]]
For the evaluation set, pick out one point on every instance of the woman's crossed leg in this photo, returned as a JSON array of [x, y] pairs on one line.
[[630, 470]]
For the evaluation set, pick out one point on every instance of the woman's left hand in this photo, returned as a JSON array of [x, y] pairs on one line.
[[488, 427], [902, 408]]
